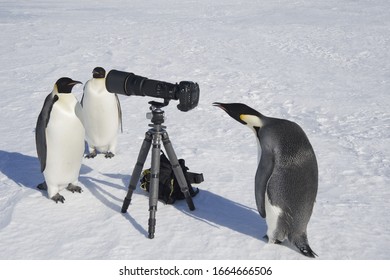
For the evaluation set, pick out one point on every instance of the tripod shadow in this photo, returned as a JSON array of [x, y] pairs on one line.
[[218, 211], [212, 209], [111, 201]]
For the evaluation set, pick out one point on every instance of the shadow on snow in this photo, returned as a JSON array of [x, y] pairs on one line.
[[211, 208]]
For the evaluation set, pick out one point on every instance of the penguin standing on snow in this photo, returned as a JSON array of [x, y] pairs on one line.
[[286, 180], [59, 137], [102, 115]]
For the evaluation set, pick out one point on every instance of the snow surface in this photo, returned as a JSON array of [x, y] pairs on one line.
[[322, 64]]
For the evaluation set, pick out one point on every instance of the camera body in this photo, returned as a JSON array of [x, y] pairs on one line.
[[130, 84]]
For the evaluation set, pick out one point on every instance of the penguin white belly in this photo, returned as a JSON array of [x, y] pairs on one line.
[[65, 146], [101, 119], [272, 216]]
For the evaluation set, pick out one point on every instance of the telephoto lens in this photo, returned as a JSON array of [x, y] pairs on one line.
[[126, 83]]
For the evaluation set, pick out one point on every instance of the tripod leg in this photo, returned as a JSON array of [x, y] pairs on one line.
[[177, 170], [137, 170], [154, 183]]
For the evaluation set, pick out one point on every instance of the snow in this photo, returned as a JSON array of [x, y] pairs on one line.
[[322, 64]]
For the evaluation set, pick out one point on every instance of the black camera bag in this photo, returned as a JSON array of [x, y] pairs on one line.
[[169, 190]]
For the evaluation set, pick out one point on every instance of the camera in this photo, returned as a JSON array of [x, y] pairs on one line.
[[126, 83]]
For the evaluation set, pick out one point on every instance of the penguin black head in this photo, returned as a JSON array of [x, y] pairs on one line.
[[241, 113], [65, 85], [99, 72]]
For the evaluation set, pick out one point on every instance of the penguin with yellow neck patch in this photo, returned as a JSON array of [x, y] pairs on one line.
[[286, 180], [59, 137]]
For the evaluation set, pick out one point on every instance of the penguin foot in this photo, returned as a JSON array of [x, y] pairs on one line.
[[42, 186], [59, 198], [73, 188], [92, 154], [273, 241], [109, 155]]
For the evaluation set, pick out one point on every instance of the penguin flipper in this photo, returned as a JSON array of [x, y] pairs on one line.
[[263, 173], [40, 130], [119, 111], [82, 97]]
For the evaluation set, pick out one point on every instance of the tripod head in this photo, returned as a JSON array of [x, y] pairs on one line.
[[158, 105], [157, 114]]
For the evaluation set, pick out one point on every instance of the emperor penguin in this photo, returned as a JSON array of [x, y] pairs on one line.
[[102, 115], [59, 137], [286, 180]]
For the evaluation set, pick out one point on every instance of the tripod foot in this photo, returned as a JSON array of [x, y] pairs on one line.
[[152, 228], [190, 203], [126, 203], [152, 221]]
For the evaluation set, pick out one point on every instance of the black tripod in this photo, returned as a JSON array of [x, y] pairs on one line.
[[154, 136]]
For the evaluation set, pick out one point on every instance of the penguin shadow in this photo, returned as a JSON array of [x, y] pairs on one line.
[[25, 170], [95, 186], [22, 169], [218, 211]]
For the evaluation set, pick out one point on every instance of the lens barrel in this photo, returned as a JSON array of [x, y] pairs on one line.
[[160, 89], [129, 84], [126, 83], [115, 82]]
